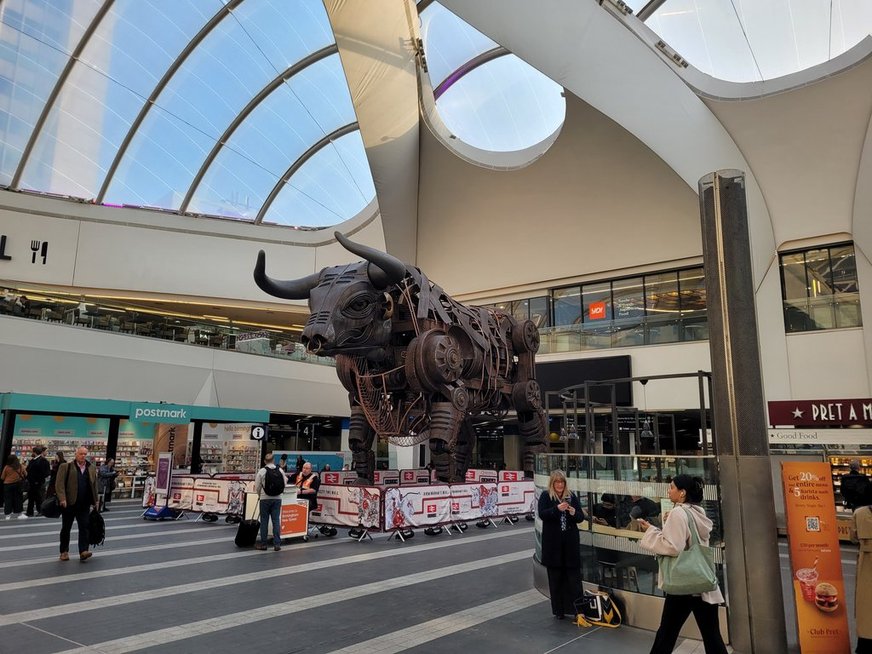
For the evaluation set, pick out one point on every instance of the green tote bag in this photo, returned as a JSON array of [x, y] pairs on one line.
[[693, 570]]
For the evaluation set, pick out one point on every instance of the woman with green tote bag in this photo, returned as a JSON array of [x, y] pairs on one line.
[[686, 528]]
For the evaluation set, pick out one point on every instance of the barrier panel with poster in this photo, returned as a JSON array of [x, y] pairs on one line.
[[815, 558], [181, 494], [475, 475], [515, 497], [416, 506], [386, 477], [412, 476], [473, 501], [350, 506], [221, 496], [339, 478]]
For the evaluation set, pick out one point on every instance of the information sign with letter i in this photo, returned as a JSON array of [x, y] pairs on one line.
[[815, 558]]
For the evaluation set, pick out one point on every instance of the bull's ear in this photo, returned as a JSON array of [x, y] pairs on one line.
[[384, 270], [387, 306], [293, 289]]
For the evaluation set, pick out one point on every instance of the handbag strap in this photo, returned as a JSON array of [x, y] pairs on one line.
[[691, 523]]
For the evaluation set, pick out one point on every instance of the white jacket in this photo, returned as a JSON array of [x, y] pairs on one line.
[[675, 537]]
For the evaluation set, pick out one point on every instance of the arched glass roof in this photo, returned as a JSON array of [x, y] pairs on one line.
[[754, 40], [236, 108], [485, 95]]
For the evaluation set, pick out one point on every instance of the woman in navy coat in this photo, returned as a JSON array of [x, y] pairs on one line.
[[560, 512]]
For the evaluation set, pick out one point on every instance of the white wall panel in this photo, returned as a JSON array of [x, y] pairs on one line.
[[53, 359], [827, 364], [599, 200], [141, 259], [770, 330], [23, 230]]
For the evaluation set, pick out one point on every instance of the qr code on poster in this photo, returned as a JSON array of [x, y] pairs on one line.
[[812, 523]]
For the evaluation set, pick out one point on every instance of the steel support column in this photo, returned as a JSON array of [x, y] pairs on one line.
[[753, 569]]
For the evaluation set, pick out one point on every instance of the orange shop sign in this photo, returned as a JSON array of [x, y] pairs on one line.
[[596, 310], [815, 561]]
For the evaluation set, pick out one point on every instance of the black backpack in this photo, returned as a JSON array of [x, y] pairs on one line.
[[96, 528], [274, 482]]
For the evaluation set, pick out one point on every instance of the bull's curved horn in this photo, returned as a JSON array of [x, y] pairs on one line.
[[383, 269], [294, 289]]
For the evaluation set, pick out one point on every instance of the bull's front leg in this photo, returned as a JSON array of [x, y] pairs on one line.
[[360, 440], [445, 423], [531, 425]]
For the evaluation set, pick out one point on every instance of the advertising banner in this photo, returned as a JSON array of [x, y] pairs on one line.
[[815, 559], [422, 506], [473, 501], [386, 477], [511, 475], [181, 494], [350, 506], [414, 476], [164, 473], [486, 476], [515, 497], [294, 518]]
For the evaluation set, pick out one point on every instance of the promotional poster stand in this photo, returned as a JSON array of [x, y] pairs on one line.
[[162, 484]]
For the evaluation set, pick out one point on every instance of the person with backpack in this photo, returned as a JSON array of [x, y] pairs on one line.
[[269, 484]]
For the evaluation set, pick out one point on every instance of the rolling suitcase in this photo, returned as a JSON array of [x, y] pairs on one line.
[[246, 533]]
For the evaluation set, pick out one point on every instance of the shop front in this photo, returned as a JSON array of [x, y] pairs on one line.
[[132, 433], [834, 431]]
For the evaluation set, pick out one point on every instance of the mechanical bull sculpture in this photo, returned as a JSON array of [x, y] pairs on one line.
[[417, 364]]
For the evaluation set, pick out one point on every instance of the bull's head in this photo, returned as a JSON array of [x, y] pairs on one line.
[[350, 307]]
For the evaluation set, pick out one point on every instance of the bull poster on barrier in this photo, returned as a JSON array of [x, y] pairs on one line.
[[350, 506], [515, 497], [220, 495], [181, 494], [421, 506], [473, 501]]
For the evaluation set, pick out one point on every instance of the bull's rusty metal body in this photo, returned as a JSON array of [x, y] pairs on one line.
[[417, 364]]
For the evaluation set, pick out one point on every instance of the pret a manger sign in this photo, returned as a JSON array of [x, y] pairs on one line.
[[815, 560]]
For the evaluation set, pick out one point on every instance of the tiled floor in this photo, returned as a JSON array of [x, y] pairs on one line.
[[184, 587]]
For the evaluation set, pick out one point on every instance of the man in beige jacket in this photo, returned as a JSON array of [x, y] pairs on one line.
[[76, 486]]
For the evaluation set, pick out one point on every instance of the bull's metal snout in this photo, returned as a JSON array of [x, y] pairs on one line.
[[314, 344]]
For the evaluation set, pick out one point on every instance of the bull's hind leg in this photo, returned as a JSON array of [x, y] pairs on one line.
[[360, 439], [531, 425], [445, 422]]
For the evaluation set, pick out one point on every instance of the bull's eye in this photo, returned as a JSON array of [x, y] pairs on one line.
[[359, 306]]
